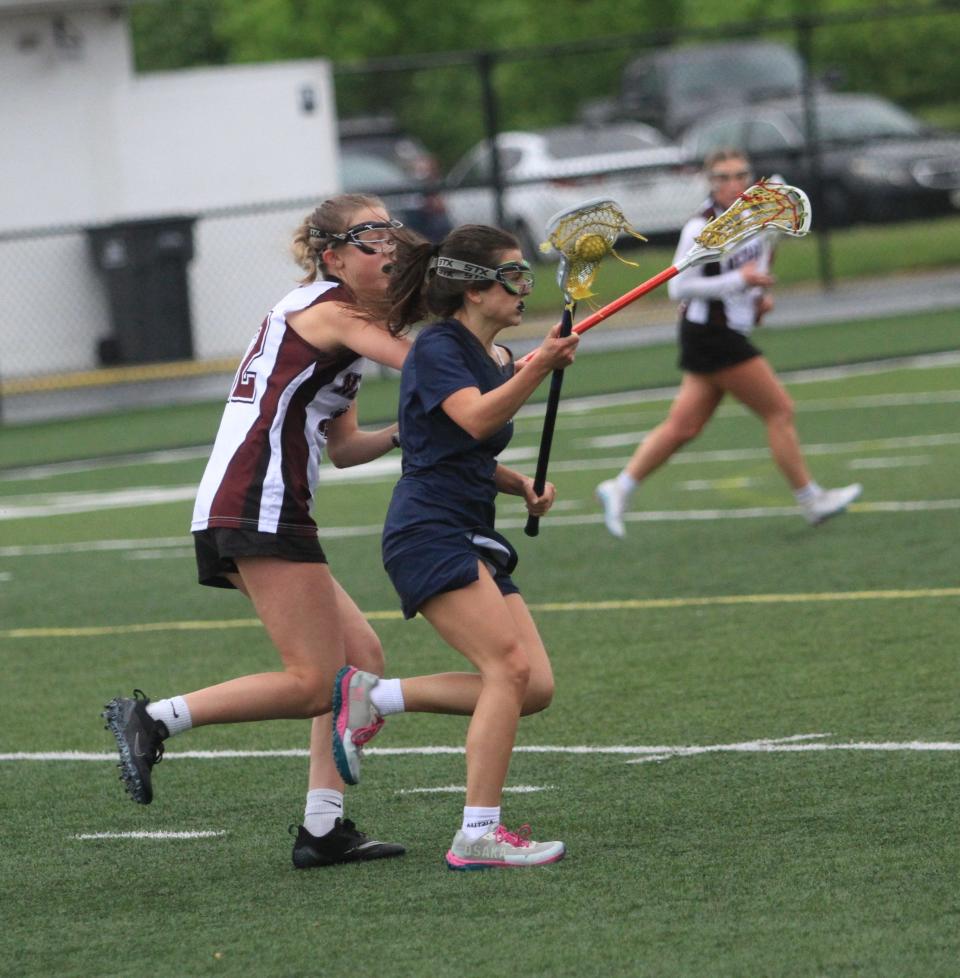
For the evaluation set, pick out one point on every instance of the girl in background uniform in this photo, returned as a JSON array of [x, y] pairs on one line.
[[293, 396], [458, 393], [721, 303]]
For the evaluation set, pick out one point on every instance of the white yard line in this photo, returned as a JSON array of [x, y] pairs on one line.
[[745, 513], [58, 504], [150, 835], [382, 468], [508, 522], [598, 402], [795, 744], [946, 438]]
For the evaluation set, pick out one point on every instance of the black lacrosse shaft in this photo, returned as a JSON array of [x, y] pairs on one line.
[[549, 422]]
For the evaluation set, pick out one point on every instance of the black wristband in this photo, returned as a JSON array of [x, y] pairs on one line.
[[395, 439]]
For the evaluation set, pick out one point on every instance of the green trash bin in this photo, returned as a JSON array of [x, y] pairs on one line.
[[144, 265]]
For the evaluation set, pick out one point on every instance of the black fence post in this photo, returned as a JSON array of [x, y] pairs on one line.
[[486, 61], [811, 148]]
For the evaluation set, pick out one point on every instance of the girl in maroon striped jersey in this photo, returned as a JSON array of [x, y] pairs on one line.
[[294, 395]]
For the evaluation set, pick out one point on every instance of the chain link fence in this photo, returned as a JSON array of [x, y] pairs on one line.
[[78, 298]]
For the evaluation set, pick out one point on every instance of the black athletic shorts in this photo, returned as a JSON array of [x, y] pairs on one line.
[[705, 349], [218, 548]]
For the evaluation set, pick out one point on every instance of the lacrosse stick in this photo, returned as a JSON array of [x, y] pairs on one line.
[[583, 235], [764, 206]]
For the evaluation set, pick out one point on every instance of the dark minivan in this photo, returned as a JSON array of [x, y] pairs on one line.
[[671, 87]]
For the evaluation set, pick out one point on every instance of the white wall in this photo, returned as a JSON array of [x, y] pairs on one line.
[[88, 142], [59, 163], [216, 137]]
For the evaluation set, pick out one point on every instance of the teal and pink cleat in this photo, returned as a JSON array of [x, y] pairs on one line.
[[355, 720]]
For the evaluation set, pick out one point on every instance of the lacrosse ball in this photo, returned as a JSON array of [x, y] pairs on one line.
[[591, 247]]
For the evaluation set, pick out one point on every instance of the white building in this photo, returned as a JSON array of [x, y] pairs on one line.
[[88, 142]]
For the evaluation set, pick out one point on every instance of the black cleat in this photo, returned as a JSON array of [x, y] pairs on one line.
[[139, 740], [344, 843]]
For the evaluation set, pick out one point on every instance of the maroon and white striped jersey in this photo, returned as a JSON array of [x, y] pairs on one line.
[[266, 459]]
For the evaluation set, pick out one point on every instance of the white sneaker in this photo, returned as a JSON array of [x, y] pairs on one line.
[[830, 502], [613, 500], [500, 848]]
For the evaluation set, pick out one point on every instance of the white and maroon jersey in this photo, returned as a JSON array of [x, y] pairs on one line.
[[266, 458], [714, 293]]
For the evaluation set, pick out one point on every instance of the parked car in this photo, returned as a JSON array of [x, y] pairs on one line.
[[671, 87], [382, 135], [878, 162], [547, 171], [407, 198]]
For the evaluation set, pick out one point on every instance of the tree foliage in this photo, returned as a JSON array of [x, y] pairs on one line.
[[911, 59]]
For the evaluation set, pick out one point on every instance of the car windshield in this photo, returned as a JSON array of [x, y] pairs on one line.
[[756, 71], [568, 143], [861, 120]]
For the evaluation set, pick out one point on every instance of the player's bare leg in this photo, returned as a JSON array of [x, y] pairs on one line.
[[755, 384], [757, 387], [692, 408]]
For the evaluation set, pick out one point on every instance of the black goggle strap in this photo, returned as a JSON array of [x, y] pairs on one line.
[[465, 271]]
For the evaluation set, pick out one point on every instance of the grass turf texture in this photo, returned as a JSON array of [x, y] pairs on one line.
[[836, 862], [178, 426]]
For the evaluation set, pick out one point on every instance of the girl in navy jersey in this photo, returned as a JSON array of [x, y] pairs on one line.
[[292, 398], [721, 303], [458, 394]]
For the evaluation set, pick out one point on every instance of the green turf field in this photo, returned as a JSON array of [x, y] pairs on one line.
[[752, 756]]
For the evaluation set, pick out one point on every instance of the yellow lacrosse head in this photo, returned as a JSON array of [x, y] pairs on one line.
[[584, 236], [764, 205]]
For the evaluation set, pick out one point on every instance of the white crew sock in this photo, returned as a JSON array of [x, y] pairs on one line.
[[387, 697], [324, 807], [808, 493], [173, 713], [626, 483], [479, 821]]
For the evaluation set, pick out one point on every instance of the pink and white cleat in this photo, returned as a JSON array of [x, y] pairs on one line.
[[501, 848]]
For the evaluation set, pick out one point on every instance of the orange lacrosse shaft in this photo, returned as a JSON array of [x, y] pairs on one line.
[[611, 307]]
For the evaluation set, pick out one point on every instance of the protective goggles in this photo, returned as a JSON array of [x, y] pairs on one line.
[[371, 237], [516, 277]]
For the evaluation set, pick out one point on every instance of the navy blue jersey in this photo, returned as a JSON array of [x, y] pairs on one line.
[[447, 482]]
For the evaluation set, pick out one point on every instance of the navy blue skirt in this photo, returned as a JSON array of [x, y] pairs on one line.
[[433, 563]]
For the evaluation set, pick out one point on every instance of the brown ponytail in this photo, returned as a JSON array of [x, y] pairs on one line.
[[416, 290]]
